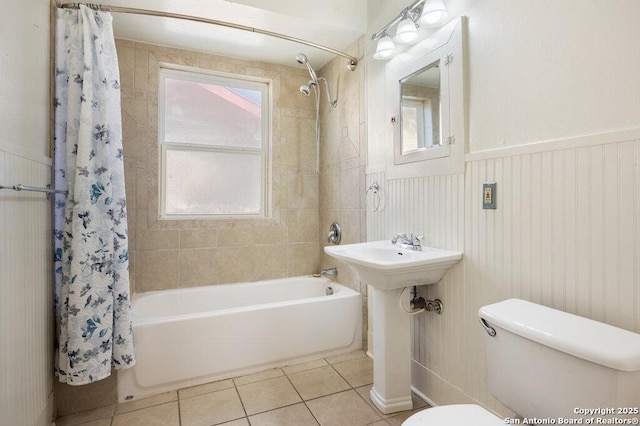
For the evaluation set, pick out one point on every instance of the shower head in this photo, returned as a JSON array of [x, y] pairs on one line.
[[305, 89], [302, 58]]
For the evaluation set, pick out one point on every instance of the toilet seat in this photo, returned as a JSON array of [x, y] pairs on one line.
[[450, 415]]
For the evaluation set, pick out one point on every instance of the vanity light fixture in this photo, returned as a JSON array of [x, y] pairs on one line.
[[421, 12]]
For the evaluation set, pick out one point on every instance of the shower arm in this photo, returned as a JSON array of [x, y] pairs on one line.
[[333, 102]]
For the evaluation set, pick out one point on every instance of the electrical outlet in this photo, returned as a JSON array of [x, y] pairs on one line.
[[489, 195]]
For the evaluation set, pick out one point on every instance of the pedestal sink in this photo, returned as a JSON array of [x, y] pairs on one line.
[[388, 268]]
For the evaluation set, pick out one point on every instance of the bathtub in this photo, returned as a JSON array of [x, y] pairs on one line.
[[186, 337]]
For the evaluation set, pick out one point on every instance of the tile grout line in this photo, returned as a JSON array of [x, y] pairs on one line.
[[246, 415], [300, 396]]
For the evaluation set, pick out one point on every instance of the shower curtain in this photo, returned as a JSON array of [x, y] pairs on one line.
[[90, 224]]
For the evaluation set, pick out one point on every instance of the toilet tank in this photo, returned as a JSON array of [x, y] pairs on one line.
[[545, 363]]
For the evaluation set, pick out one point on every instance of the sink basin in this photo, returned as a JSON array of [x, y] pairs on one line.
[[386, 266]]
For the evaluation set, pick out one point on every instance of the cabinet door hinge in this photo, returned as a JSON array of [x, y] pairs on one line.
[[450, 140], [448, 59]]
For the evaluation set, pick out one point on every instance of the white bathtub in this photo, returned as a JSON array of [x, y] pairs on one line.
[[186, 337]]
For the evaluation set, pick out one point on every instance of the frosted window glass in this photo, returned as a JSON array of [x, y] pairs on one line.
[[220, 114], [210, 182]]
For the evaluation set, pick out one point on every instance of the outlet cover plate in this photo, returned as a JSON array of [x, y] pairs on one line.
[[489, 195]]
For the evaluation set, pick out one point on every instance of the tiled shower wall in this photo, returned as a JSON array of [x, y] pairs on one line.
[[565, 234], [171, 253], [342, 161]]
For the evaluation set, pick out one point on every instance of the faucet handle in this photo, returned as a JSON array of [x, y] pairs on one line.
[[417, 241]]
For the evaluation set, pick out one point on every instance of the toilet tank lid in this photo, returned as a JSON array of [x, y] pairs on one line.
[[584, 338]]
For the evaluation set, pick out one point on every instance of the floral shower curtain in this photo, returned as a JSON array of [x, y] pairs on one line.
[[90, 224]]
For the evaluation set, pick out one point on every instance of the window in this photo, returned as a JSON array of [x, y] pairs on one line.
[[214, 142]]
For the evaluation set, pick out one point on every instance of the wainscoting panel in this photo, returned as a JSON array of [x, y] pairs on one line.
[[565, 234], [26, 294]]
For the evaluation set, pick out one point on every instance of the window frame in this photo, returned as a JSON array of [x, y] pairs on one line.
[[199, 75]]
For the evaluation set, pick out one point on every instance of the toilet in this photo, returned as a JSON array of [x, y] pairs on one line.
[[547, 364]]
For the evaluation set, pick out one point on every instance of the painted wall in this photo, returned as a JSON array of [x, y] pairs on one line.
[[553, 119], [26, 305]]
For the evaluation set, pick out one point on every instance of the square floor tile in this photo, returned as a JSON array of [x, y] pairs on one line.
[[159, 415], [138, 404], [211, 408], [346, 357], [86, 416], [318, 382], [268, 395], [239, 422], [206, 388], [296, 368], [345, 408], [293, 415], [358, 372], [101, 422], [258, 377]]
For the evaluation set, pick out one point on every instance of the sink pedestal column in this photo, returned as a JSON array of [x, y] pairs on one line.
[[391, 391]]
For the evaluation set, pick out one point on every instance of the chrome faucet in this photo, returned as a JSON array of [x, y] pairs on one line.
[[411, 242]]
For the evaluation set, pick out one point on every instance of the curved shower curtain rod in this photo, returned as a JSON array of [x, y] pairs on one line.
[[353, 62]]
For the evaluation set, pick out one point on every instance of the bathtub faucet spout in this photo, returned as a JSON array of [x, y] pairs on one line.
[[331, 272]]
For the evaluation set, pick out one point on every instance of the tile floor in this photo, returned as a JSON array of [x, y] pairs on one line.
[[329, 391]]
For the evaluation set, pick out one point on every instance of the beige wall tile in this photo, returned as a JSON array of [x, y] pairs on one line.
[[235, 236], [157, 269], [198, 267], [198, 238], [141, 193], [269, 262], [141, 69], [125, 63], [270, 234], [303, 259], [302, 191], [157, 240], [350, 188], [303, 225], [235, 264]]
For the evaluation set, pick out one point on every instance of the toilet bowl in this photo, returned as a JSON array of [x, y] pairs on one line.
[[452, 415], [566, 361]]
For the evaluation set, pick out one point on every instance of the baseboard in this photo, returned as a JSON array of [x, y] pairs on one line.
[[46, 415], [434, 389]]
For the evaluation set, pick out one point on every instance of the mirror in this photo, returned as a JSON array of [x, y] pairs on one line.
[[427, 105], [420, 110]]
